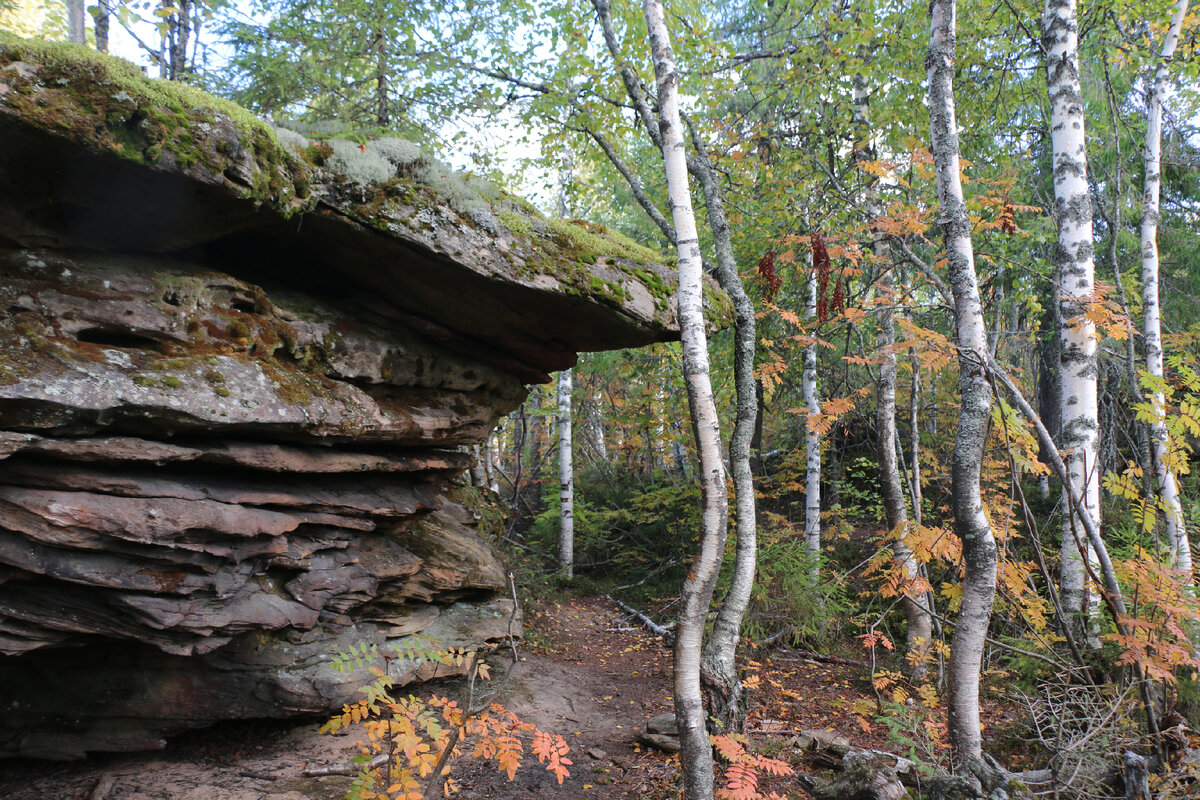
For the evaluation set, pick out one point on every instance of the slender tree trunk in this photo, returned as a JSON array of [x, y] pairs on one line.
[[1049, 386], [1114, 231], [1168, 488], [181, 23], [478, 471], [566, 478], [998, 300], [726, 699], [382, 106], [489, 464], [970, 522], [1076, 275], [75, 18], [595, 424], [919, 627], [914, 421], [1142, 431], [812, 437], [658, 432], [102, 21], [520, 435], [696, 752]]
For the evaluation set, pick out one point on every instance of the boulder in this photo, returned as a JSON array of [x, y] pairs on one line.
[[237, 392]]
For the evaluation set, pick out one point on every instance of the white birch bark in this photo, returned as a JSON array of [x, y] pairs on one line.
[[726, 698], [812, 438], [491, 463], [596, 426], [566, 478], [1075, 268], [478, 471], [1168, 487], [658, 440], [970, 522], [696, 752]]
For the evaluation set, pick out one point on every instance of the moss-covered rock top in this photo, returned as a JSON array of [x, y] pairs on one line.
[[108, 105], [150, 165]]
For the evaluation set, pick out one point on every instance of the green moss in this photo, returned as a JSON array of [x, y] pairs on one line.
[[588, 243], [515, 223], [718, 308], [220, 391], [291, 386], [145, 380], [171, 382], [109, 104]]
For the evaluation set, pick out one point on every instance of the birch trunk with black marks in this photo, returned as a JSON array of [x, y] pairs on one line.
[[566, 479], [1168, 487], [1075, 268], [812, 483], [726, 698], [696, 751], [478, 472], [970, 522], [919, 626]]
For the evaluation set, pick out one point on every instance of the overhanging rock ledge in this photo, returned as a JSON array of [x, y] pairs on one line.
[[235, 388]]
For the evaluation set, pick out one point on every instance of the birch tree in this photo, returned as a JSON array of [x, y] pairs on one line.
[[1075, 271], [970, 522], [726, 698], [812, 437], [566, 478], [696, 752], [1168, 487]]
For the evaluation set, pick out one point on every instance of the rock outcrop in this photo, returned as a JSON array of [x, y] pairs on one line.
[[235, 389]]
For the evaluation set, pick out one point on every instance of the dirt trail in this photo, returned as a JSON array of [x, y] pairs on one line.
[[596, 681], [600, 681]]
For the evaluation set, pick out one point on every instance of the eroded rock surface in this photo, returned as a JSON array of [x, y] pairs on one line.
[[235, 394]]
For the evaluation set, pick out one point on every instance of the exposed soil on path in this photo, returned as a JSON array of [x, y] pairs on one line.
[[596, 681]]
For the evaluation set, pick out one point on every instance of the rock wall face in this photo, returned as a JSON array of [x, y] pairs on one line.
[[235, 392]]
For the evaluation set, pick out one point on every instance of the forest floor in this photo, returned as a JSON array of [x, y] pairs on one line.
[[587, 672]]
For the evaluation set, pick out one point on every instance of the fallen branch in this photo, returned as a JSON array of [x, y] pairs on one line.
[[344, 769], [654, 627]]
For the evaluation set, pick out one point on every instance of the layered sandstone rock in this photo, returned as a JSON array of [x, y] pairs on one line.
[[235, 389]]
